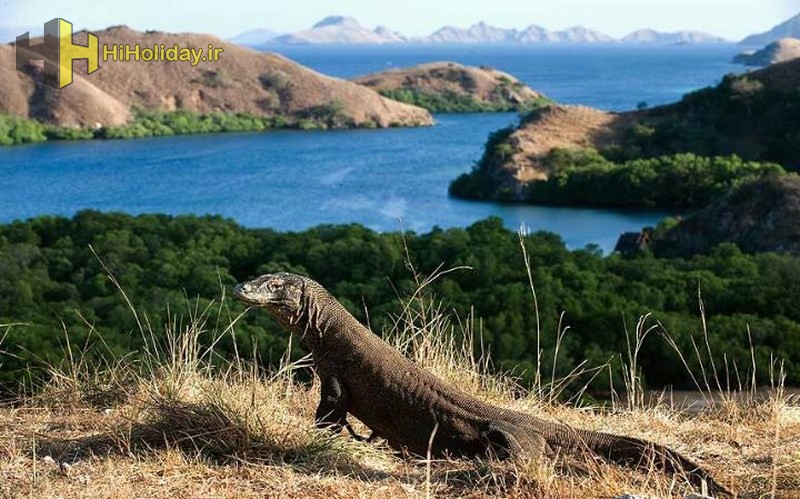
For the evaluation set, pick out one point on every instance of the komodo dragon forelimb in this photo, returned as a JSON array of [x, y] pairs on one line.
[[332, 409], [412, 409]]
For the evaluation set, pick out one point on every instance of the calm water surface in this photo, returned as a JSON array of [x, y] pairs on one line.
[[384, 179]]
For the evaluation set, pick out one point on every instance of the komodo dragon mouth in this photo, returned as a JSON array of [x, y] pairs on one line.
[[243, 294]]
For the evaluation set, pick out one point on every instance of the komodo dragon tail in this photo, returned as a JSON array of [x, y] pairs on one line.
[[634, 452]]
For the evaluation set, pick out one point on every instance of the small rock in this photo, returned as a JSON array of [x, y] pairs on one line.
[[697, 496], [49, 460]]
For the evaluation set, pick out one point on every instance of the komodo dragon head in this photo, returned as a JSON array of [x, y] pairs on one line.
[[296, 302], [280, 293]]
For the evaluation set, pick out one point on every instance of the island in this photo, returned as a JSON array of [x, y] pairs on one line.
[[446, 87]]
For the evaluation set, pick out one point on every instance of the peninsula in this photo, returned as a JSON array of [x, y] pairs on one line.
[[243, 90], [679, 155]]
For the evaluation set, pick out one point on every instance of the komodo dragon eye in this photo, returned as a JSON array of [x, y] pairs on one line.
[[274, 285]]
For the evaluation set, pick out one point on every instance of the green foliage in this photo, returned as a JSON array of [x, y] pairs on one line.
[[48, 275], [478, 183], [53, 132], [330, 115], [161, 123], [583, 177], [16, 130], [587, 177], [755, 117], [149, 123], [757, 120], [455, 102]]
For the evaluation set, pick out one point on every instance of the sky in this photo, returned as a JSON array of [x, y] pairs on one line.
[[732, 19]]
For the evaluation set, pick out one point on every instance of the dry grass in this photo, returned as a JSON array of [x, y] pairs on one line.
[[174, 426]]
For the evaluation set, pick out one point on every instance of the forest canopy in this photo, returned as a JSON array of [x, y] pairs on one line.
[[52, 282]]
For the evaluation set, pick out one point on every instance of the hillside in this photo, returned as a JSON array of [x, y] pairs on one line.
[[242, 81], [789, 28], [447, 87], [755, 116], [762, 216], [782, 50]]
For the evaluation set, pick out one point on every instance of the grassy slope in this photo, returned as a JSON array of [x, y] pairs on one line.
[[174, 426], [755, 116]]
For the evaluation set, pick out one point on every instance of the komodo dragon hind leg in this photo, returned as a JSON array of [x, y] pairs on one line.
[[505, 441]]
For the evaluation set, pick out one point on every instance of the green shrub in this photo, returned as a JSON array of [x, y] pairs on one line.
[[49, 274], [453, 102], [478, 184], [17, 130], [581, 177]]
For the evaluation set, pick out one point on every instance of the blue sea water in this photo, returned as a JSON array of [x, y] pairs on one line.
[[385, 179], [615, 77]]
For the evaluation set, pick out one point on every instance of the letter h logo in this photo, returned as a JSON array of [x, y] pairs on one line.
[[57, 51]]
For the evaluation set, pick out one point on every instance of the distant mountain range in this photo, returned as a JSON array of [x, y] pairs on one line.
[[346, 30], [787, 29], [255, 37], [341, 29], [674, 38], [485, 33]]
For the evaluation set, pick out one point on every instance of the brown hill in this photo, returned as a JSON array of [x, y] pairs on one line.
[[755, 116], [759, 216], [242, 80], [438, 84], [552, 127], [782, 50]]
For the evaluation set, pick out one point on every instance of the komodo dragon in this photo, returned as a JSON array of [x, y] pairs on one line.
[[412, 409]]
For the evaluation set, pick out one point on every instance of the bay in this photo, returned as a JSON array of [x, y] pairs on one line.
[[387, 180]]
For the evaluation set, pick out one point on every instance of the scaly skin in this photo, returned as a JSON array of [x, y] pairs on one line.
[[413, 410]]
